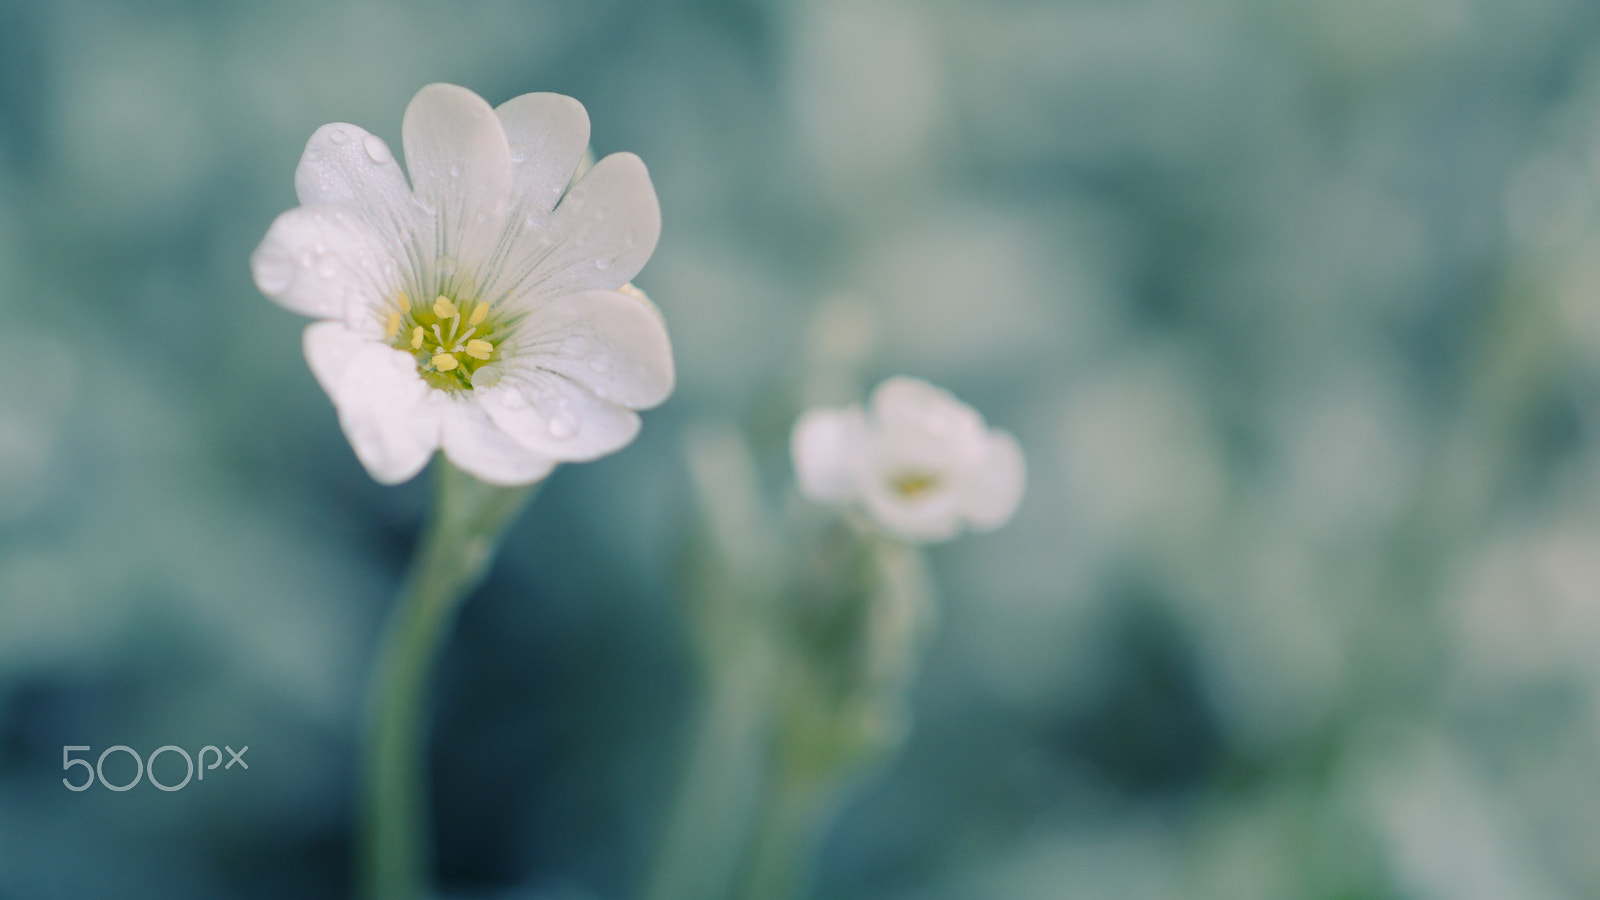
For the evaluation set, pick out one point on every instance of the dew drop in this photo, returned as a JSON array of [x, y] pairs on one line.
[[600, 363], [338, 136], [446, 265], [519, 152], [326, 268], [603, 263], [455, 170], [562, 427], [377, 150], [274, 270]]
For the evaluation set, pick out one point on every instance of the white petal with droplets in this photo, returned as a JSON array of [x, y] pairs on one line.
[[555, 417], [323, 261], [461, 174], [547, 135], [614, 344], [344, 165], [384, 407], [598, 238]]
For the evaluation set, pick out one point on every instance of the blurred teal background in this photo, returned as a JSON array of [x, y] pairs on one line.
[[1292, 305]]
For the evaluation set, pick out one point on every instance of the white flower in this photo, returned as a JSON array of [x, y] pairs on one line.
[[920, 462], [483, 309]]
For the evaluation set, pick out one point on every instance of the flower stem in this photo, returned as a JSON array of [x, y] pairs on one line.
[[787, 836], [711, 817], [465, 526]]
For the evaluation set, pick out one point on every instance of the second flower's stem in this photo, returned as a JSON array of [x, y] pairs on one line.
[[787, 836], [465, 527]]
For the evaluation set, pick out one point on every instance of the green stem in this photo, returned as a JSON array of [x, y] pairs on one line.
[[465, 527], [711, 817], [788, 836]]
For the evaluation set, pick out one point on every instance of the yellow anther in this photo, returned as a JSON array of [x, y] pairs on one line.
[[444, 362], [416, 338], [404, 301], [393, 326], [479, 313], [443, 308], [479, 349]]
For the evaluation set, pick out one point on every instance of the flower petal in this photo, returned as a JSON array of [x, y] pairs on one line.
[[902, 403], [556, 417], [384, 406], [994, 490], [823, 444], [598, 238], [323, 261], [548, 134], [930, 517], [477, 446], [460, 169], [345, 165], [614, 344]]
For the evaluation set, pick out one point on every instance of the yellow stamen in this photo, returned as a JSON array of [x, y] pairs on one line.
[[479, 313], [416, 338], [444, 362], [393, 327], [479, 349], [913, 485], [443, 308], [404, 301]]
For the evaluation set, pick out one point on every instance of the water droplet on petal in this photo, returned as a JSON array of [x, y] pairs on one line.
[[377, 150], [519, 152], [455, 170], [326, 268], [603, 263], [274, 270], [600, 363], [562, 427], [446, 265], [338, 136]]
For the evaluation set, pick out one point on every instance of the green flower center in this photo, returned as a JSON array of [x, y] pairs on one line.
[[451, 338]]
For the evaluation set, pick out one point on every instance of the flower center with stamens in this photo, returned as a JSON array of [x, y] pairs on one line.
[[450, 337], [914, 485]]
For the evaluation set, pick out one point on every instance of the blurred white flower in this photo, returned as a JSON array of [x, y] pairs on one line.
[[483, 309], [920, 462]]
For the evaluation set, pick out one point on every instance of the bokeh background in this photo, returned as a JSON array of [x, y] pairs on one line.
[[1294, 307]]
